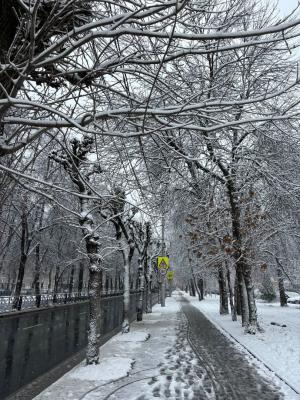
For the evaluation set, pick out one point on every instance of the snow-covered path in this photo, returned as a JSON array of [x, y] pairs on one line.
[[278, 347], [155, 360]]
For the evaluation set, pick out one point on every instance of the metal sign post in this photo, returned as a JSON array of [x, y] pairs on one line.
[[163, 264], [170, 276]]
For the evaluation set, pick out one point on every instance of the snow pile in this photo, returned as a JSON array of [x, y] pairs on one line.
[[108, 370], [278, 347], [132, 337]]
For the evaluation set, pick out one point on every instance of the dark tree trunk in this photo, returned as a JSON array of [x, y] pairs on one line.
[[201, 289], [243, 269], [149, 295], [223, 292], [71, 280], [56, 283], [282, 295], [80, 278], [237, 297], [49, 280], [107, 283], [116, 281], [17, 303], [36, 280], [252, 323], [192, 288], [25, 244]]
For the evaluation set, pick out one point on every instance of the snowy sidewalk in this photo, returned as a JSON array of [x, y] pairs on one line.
[[278, 347], [155, 360], [143, 364]]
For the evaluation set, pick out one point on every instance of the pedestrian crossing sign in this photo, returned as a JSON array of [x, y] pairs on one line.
[[163, 263]]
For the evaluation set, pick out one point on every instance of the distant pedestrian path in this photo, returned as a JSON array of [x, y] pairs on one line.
[[231, 375]]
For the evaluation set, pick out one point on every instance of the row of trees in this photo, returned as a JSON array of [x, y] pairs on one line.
[[114, 114]]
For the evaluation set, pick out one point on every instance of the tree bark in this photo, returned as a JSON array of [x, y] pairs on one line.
[[252, 325], [201, 289], [243, 269], [94, 289], [95, 282], [231, 296], [126, 297], [242, 297], [71, 280], [25, 244], [37, 272], [237, 297], [141, 278], [80, 278], [223, 292], [192, 288], [56, 283], [282, 294]]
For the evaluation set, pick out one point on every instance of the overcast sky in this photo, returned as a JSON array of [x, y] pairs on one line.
[[287, 5]]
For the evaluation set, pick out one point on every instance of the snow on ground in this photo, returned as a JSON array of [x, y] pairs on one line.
[[137, 355], [153, 359], [278, 347], [132, 337], [110, 369]]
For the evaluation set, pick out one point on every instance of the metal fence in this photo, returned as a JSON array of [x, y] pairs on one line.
[[33, 342], [27, 302]]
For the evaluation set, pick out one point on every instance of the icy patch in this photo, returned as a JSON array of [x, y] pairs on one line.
[[109, 369], [132, 337]]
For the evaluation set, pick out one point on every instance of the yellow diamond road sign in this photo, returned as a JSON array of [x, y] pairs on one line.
[[170, 275], [163, 263]]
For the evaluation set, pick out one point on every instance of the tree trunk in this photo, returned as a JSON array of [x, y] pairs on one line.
[[242, 298], [25, 244], [126, 297], [282, 294], [149, 296], [231, 296], [237, 297], [95, 282], [148, 285], [36, 280], [94, 289], [49, 280], [223, 292], [201, 289], [37, 272], [194, 283], [80, 278], [243, 270], [71, 281], [252, 323], [192, 288], [56, 283], [141, 278], [17, 302]]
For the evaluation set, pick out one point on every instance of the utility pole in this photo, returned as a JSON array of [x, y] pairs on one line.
[[162, 276]]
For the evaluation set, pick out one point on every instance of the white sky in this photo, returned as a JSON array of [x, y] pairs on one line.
[[287, 5]]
